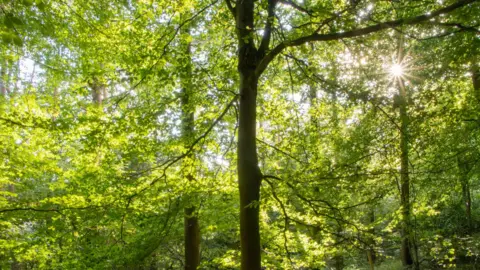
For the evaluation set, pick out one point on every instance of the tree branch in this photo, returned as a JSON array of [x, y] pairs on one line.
[[296, 6], [231, 8], [167, 164], [267, 34], [356, 32], [457, 25], [280, 150], [284, 210]]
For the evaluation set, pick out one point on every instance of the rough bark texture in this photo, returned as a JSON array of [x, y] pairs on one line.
[[191, 225], [249, 175]]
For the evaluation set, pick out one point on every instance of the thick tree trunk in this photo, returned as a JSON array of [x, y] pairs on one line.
[[191, 225], [249, 175], [406, 232], [192, 239]]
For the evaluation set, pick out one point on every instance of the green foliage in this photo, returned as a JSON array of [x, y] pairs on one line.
[[95, 169]]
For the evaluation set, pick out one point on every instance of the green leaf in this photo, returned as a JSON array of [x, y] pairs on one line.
[[7, 37], [16, 21], [17, 41], [27, 2]]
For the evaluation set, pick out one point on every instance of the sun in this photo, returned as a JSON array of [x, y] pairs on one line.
[[396, 70]]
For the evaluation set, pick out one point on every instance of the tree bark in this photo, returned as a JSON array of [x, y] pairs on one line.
[[249, 175], [191, 224]]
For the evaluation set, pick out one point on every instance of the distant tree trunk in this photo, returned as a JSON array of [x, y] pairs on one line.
[[371, 251], [475, 70], [98, 90], [191, 225], [312, 96], [3, 86], [17, 76], [338, 258], [406, 230], [249, 175], [9, 79], [464, 169]]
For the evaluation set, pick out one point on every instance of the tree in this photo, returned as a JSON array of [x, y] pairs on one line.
[[192, 229], [90, 180], [252, 62]]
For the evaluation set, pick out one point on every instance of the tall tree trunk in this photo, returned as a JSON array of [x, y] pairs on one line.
[[338, 257], [249, 175], [191, 225], [406, 251]]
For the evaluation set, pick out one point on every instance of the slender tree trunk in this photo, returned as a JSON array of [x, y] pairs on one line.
[[466, 198], [371, 251], [338, 257], [17, 76], [191, 225], [475, 70], [406, 249], [249, 175], [3, 87]]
